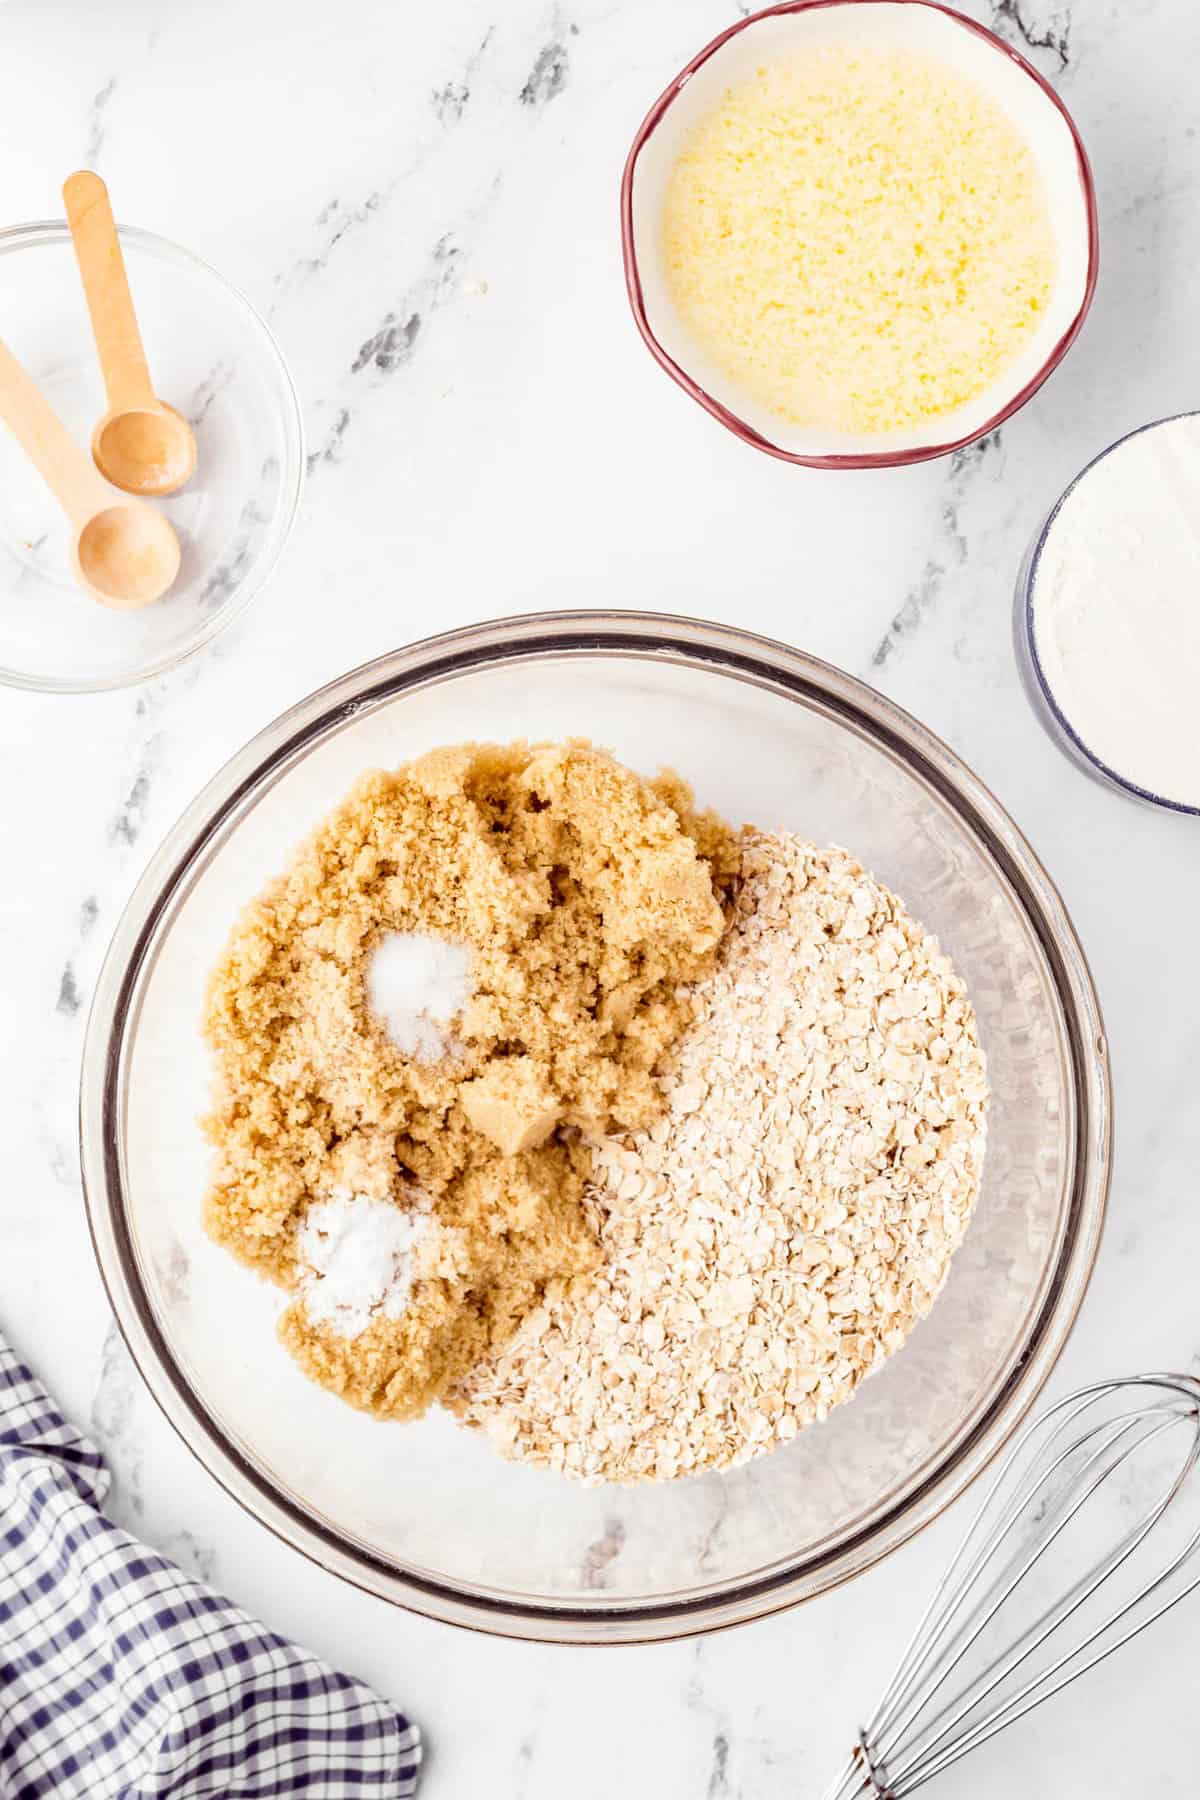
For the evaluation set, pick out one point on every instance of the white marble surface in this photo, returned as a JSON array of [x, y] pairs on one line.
[[424, 203]]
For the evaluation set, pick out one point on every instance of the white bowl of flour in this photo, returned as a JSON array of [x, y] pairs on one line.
[[1108, 616]]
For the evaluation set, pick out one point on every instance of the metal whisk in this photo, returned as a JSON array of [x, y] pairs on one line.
[[1027, 1606]]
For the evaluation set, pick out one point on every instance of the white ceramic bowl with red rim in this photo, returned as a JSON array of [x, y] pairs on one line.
[[918, 25]]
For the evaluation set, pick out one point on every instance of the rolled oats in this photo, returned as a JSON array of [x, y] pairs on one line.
[[779, 1232]]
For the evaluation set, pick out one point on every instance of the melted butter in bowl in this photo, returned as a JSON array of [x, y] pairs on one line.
[[859, 238], [859, 233]]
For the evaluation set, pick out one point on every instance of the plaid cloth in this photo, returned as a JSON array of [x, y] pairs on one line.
[[120, 1676]]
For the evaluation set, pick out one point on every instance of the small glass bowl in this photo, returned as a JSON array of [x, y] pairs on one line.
[[1029, 665], [212, 357], [426, 1514], [976, 53]]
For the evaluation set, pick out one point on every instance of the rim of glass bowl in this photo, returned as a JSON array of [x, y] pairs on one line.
[[756, 661], [1075, 747], [865, 459], [14, 238]]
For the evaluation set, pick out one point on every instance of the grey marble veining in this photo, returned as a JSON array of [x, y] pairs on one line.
[[111, 1422], [949, 551], [423, 203], [1035, 27]]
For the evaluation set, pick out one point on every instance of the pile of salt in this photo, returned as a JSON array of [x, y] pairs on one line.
[[355, 1257], [418, 985]]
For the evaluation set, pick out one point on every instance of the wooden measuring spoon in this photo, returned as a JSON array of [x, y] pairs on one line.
[[122, 551], [141, 444]]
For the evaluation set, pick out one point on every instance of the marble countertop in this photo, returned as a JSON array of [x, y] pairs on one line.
[[423, 202]]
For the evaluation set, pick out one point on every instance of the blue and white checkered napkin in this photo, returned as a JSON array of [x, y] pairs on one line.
[[121, 1676]]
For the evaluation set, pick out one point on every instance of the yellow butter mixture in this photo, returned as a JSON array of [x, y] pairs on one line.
[[859, 238]]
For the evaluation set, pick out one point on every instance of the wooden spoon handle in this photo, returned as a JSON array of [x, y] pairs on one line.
[[64, 467], [114, 322]]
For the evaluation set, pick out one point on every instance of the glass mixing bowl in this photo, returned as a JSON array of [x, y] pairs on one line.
[[427, 1514], [214, 359]]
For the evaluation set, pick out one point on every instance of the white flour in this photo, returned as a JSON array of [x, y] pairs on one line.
[[1116, 610], [417, 985], [356, 1260]]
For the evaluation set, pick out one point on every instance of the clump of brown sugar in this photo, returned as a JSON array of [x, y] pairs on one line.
[[587, 898]]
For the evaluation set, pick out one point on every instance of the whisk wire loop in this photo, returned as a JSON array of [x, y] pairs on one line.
[[1105, 1447], [1044, 1686], [997, 1671], [928, 1630], [937, 1668]]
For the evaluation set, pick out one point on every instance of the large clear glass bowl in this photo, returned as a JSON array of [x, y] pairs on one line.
[[214, 359], [426, 1514]]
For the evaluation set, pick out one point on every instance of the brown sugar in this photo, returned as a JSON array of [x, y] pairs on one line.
[[587, 897], [512, 1103]]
